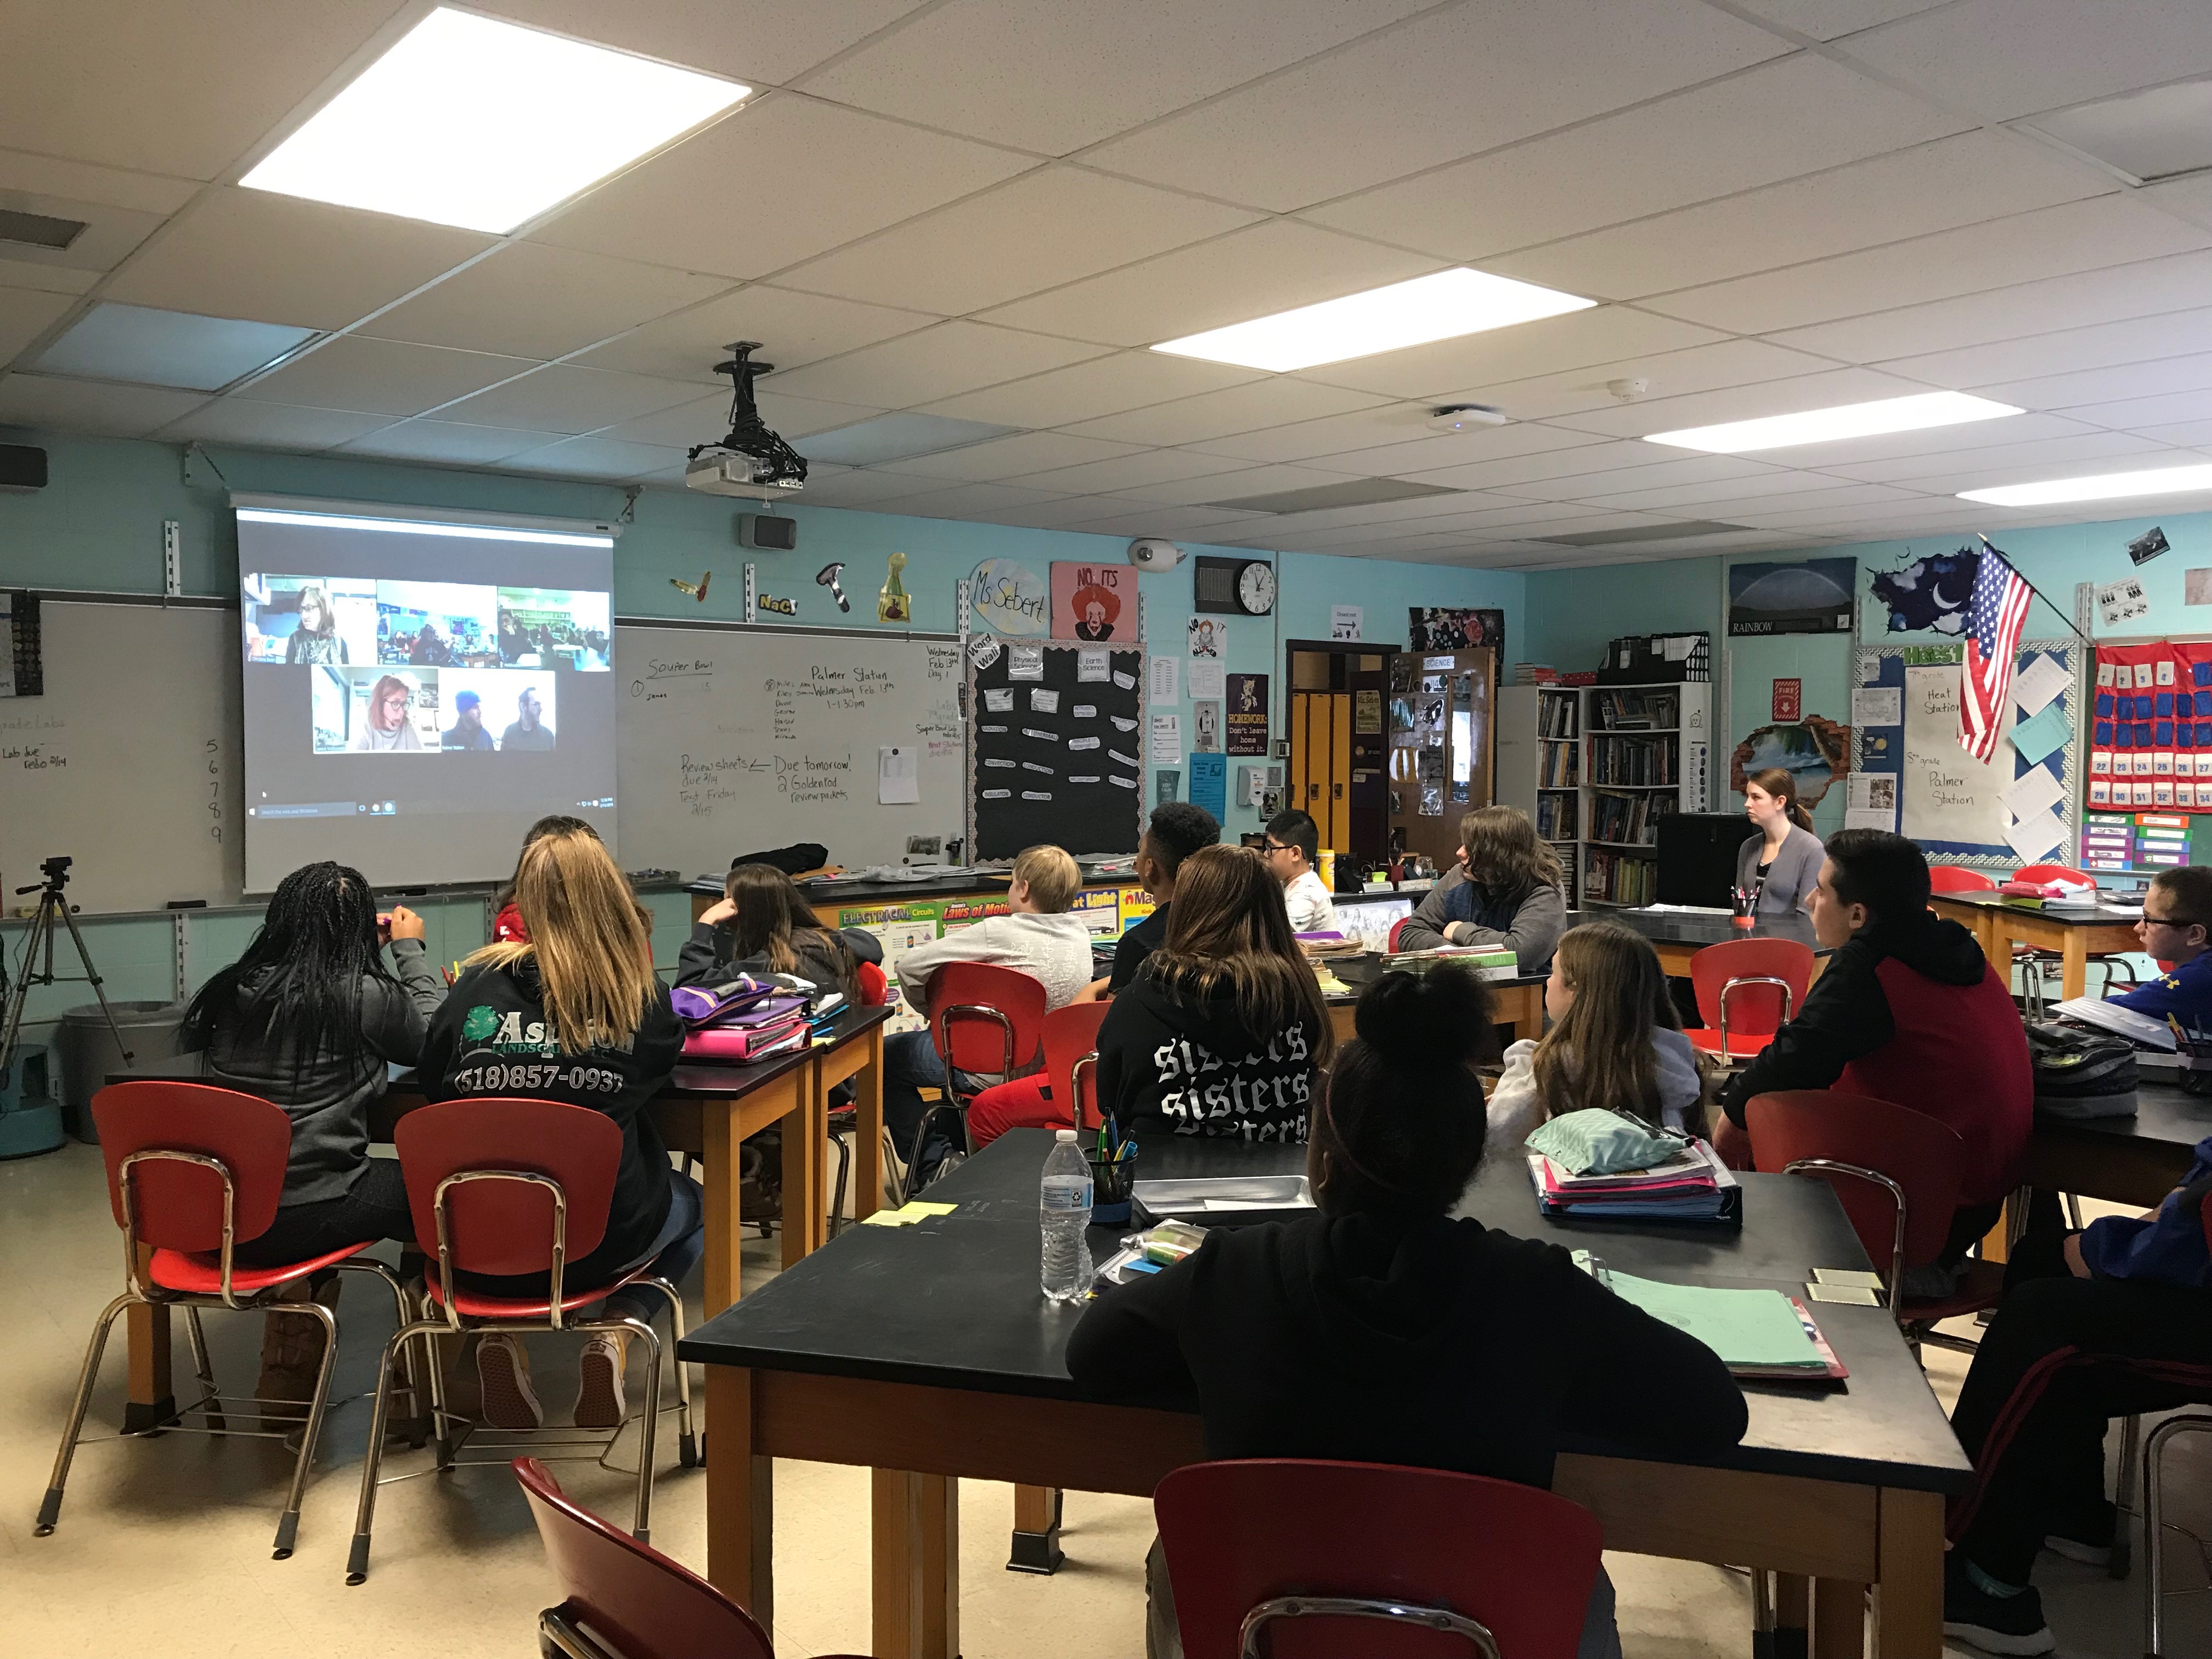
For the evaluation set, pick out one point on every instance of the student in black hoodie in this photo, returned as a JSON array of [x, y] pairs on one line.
[[1382, 1329], [764, 925], [575, 1015], [1222, 1029]]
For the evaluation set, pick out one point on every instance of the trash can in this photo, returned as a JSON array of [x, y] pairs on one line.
[[89, 1052], [30, 1116]]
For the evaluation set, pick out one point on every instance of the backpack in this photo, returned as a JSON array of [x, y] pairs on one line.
[[2082, 1074]]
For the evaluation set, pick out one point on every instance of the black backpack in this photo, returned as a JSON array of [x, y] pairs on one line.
[[2081, 1073]]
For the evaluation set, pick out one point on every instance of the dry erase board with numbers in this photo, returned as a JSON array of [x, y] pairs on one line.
[[1055, 747]]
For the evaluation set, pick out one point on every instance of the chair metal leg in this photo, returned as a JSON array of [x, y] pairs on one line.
[[197, 1338], [2123, 1496], [2154, 1524], [648, 1437], [49, 1507], [2071, 1202], [687, 1444], [288, 1524], [365, 1515], [844, 1169], [404, 1308]]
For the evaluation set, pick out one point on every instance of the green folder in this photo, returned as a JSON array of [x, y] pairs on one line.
[[1746, 1329]]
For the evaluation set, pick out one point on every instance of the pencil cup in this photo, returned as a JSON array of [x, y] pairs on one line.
[[1111, 1181], [1744, 902]]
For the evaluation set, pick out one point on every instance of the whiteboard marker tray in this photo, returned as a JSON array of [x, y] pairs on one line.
[[1224, 1201]]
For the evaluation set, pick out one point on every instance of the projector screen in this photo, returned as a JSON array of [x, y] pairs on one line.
[[418, 693]]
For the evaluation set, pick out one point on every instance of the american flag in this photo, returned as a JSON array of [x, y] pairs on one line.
[[1995, 616]]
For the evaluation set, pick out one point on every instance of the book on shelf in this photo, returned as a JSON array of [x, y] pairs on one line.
[[1622, 879], [1556, 768], [1627, 759], [1626, 711], [1555, 817], [1628, 819]]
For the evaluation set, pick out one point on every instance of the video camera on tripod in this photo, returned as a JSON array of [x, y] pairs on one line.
[[39, 947]]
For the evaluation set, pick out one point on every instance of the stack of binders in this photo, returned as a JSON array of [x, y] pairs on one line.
[[1693, 1185]]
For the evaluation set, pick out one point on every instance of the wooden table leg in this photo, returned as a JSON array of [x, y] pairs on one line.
[[1530, 1025], [1908, 1601], [725, 1228], [1793, 1603], [2074, 964], [868, 1134], [1036, 1530], [152, 1400], [1838, 1620], [803, 1131], [740, 1499], [917, 1566]]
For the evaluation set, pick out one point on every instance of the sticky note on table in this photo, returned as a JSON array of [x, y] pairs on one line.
[[906, 1214], [2037, 738]]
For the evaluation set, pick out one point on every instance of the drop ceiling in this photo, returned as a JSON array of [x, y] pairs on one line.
[[983, 211]]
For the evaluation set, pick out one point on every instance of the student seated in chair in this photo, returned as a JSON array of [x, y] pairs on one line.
[[1037, 937], [1383, 1330], [1507, 892], [764, 925], [1293, 852], [1177, 829], [2177, 928], [1908, 1010]]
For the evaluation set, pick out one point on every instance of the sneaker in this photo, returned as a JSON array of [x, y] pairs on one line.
[[503, 1375], [1996, 1623], [2086, 1537], [291, 1359], [599, 1402]]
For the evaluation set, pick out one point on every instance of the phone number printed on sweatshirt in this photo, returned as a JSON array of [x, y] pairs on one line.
[[527, 1074]]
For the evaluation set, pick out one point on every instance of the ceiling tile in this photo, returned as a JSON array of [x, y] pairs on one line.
[[1138, 520], [1784, 493], [25, 315], [707, 418], [1243, 481], [987, 249], [270, 426], [165, 89], [447, 442], [1831, 20], [1007, 458], [2135, 414], [1775, 122], [760, 42], [83, 181], [1125, 473], [2192, 434], [108, 236], [999, 69], [1515, 475], [1455, 81], [1249, 273], [1748, 403], [1104, 385], [535, 302], [934, 364], [1055, 514], [45, 279], [1426, 454], [2189, 372], [794, 329], [1721, 476], [1275, 400], [859, 175], [597, 458], [122, 411], [1666, 374], [2061, 453], [562, 397], [2098, 232], [1983, 335], [276, 259], [2048, 52], [2143, 454], [382, 377], [1341, 435], [175, 348], [1964, 180], [854, 486], [961, 501], [1549, 346]]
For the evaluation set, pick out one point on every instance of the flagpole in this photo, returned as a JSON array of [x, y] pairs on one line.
[[1991, 547]]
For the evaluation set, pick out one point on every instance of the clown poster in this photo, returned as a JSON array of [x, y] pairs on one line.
[[1093, 602]]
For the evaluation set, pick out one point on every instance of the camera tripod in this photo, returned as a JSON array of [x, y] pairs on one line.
[[39, 946]]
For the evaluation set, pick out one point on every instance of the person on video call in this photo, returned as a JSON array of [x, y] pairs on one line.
[[388, 728], [316, 639], [526, 732], [431, 649], [513, 641], [467, 730]]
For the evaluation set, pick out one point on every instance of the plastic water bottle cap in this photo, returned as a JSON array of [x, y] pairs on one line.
[[1063, 1134]]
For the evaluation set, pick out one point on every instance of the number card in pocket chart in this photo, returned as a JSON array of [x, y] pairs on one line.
[[2151, 730], [1056, 749]]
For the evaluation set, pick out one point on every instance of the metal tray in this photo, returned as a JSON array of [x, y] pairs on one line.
[[1223, 1202]]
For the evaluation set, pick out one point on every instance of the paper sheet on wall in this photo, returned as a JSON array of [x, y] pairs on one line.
[[1208, 680], [2035, 791], [1947, 795], [1166, 675], [1345, 621], [2122, 601], [1167, 740], [2038, 683], [1870, 817], [1877, 705], [898, 776], [2035, 738], [1094, 663], [2035, 836], [1024, 662], [1209, 784]]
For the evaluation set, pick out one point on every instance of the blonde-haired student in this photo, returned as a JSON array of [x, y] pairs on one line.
[[1615, 1042], [581, 988]]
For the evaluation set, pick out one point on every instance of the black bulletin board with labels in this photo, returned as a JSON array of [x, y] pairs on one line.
[[1055, 746]]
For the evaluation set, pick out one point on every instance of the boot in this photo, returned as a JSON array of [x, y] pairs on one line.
[[292, 1358]]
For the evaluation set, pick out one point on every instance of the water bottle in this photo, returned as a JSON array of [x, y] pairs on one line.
[[1063, 1212]]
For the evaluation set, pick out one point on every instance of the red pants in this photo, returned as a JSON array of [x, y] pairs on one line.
[[1022, 1103]]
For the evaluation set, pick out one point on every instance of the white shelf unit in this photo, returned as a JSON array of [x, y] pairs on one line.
[[1603, 781]]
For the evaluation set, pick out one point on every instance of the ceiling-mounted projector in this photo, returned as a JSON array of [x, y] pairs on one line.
[[750, 460]]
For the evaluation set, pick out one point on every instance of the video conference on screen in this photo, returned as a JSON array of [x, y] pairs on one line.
[[418, 695]]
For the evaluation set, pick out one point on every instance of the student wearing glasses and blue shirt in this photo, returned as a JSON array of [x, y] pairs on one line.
[[2177, 928]]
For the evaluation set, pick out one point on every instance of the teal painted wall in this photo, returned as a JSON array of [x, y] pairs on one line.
[[98, 526]]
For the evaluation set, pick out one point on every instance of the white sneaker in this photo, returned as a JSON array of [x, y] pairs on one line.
[[503, 1376], [599, 1401]]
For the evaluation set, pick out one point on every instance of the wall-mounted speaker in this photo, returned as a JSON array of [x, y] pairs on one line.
[[22, 467]]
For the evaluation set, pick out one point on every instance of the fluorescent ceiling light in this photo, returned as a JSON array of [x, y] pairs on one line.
[[1439, 306], [474, 122], [2103, 486], [1821, 426], [470, 532]]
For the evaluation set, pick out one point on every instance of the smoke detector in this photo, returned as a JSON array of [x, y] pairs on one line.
[[1465, 417], [1628, 390]]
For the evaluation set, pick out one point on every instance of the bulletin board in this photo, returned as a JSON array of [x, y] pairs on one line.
[[1958, 809], [1055, 746]]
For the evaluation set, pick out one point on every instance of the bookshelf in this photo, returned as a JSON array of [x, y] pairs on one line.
[[1595, 767]]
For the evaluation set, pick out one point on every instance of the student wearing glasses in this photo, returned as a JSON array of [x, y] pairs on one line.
[[1292, 851], [2175, 928]]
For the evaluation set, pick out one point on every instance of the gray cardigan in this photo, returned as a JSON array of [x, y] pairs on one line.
[[1795, 871]]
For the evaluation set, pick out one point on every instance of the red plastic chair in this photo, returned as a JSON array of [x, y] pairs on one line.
[[2052, 872], [192, 1172], [1071, 1062], [505, 1187], [1410, 1555], [1397, 928], [1747, 988], [983, 1019], [1957, 879], [873, 985], [1897, 1173], [2039, 962], [624, 1600]]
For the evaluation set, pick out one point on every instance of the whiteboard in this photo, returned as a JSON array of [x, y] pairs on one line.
[[735, 739], [1947, 795], [129, 763]]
